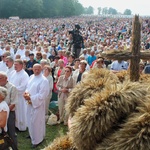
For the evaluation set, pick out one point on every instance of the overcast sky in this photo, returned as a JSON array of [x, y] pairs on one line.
[[141, 7]]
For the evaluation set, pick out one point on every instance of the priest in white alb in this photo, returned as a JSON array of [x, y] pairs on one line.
[[36, 94], [20, 79]]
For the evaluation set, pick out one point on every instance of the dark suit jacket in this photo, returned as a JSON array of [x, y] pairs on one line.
[[29, 65]]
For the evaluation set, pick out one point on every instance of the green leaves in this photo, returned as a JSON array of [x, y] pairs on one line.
[[40, 8]]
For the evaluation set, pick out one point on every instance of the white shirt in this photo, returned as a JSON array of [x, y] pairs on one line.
[[4, 107], [9, 72], [20, 80], [20, 52], [38, 88], [1, 52], [119, 66], [3, 66]]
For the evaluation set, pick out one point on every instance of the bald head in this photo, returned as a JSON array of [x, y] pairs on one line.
[[37, 68]]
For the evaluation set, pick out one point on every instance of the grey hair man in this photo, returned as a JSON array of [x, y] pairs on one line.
[[11, 99], [43, 62], [10, 65], [3, 92]]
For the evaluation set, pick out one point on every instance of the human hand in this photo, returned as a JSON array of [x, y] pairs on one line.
[[64, 90], [26, 95]]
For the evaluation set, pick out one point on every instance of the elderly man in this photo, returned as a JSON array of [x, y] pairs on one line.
[[20, 78], [8, 49], [35, 95], [10, 65], [11, 99]]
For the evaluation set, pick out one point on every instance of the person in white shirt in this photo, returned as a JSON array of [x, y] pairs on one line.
[[20, 79], [4, 110], [35, 95], [3, 66], [46, 51], [8, 49], [117, 65], [85, 55], [21, 51], [26, 56], [47, 72], [10, 65]]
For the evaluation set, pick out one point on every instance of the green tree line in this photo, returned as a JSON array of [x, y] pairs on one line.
[[49, 9], [40, 8], [110, 10]]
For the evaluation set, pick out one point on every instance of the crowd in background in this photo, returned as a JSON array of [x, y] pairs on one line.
[[33, 47]]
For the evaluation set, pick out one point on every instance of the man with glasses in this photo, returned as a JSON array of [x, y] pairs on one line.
[[3, 66]]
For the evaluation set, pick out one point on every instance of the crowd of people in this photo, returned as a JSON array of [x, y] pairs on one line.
[[38, 57]]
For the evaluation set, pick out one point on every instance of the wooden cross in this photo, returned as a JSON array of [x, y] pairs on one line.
[[134, 54]]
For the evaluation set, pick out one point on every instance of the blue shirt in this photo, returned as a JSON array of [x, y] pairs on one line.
[[147, 69], [90, 59]]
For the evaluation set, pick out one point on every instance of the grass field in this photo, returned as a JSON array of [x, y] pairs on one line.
[[51, 133]]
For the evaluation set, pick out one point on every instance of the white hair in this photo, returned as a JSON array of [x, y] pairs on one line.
[[3, 73], [3, 92], [44, 61]]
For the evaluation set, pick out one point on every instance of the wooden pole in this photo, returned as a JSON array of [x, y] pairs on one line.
[[135, 50]]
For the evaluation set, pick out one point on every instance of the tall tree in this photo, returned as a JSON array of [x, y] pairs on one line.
[[89, 10], [79, 9], [99, 10], [127, 12], [67, 8], [105, 11], [112, 11], [49, 8], [8, 8], [40, 8]]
